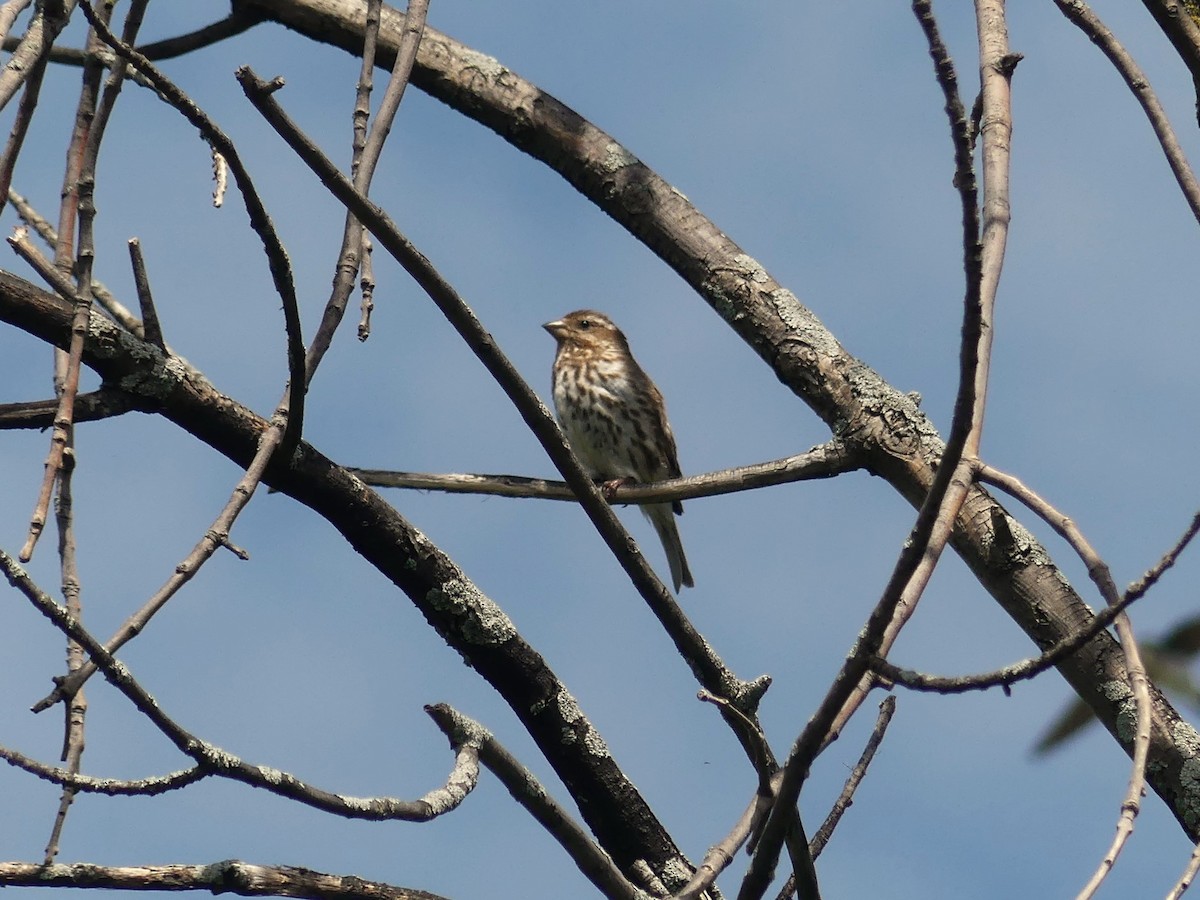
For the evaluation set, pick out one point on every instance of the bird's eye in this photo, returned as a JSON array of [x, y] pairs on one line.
[[585, 324]]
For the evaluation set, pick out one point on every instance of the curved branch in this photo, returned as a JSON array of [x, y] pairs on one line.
[[84, 784], [1090, 24], [212, 759]]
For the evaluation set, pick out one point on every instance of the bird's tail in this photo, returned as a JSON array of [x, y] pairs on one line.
[[663, 520]]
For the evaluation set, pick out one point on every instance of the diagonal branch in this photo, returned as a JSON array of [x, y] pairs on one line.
[[1082, 15]]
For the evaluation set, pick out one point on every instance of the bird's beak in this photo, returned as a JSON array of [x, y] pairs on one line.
[[557, 328]]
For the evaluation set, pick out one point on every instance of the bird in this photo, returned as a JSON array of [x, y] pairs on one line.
[[615, 419]]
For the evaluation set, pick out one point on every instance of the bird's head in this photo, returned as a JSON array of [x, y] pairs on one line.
[[586, 328]]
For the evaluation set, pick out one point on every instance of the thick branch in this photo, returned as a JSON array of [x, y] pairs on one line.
[[230, 876]]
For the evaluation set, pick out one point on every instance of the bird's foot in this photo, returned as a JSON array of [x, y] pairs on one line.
[[608, 489]]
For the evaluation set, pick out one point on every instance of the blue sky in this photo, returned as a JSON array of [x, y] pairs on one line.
[[813, 135]]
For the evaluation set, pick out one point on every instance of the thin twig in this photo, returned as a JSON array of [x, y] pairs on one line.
[[824, 461], [1155, 572], [291, 411], [92, 122], [8, 14], [1030, 668], [1188, 876], [1139, 686], [34, 46], [721, 855], [365, 158], [68, 364], [115, 309], [886, 710], [152, 329], [1082, 16], [20, 127], [962, 137], [214, 538], [49, 235], [749, 824], [85, 784], [75, 713]]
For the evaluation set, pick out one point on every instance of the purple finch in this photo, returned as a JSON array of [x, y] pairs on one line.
[[615, 419]]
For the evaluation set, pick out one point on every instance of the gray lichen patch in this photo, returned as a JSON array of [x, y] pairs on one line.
[[483, 622], [1189, 795], [617, 157], [1119, 693], [569, 711], [476, 63], [676, 873]]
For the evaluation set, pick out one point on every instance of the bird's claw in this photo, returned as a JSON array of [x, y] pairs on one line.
[[608, 489]]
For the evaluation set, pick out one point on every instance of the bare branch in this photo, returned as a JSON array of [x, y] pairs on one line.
[[34, 47], [8, 15], [90, 407], [1030, 668], [962, 137], [20, 127], [364, 162], [141, 282], [1188, 876], [1155, 572], [529, 792], [291, 411], [214, 538], [1079, 13], [146, 787], [749, 825], [886, 710], [116, 310], [219, 762], [824, 461], [1138, 683], [229, 876]]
